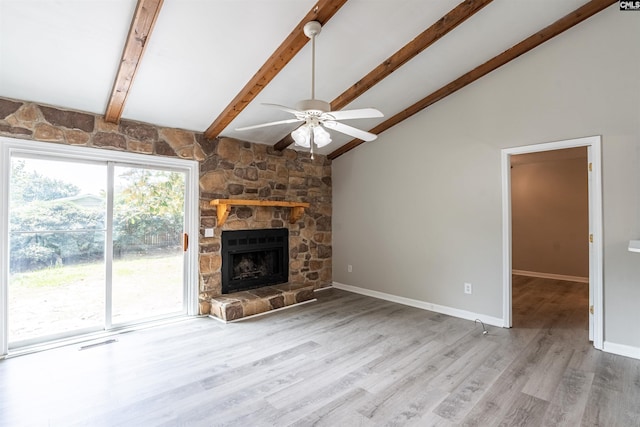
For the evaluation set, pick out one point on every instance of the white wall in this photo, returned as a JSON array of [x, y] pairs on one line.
[[418, 211]]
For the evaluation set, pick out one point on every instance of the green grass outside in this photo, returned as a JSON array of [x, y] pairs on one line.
[[64, 275], [71, 297], [57, 276]]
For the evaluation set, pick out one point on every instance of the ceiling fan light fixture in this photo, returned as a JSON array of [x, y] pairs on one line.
[[320, 136], [302, 136]]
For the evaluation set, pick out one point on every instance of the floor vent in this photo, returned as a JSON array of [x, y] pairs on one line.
[[85, 347]]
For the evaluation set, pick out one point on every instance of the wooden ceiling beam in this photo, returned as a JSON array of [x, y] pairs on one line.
[[321, 12], [435, 32], [568, 21], [142, 24]]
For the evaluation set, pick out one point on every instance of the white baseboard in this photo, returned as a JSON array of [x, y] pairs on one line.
[[463, 314], [551, 276], [621, 350]]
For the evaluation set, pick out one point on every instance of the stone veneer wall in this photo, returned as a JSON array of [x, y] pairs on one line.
[[228, 169]]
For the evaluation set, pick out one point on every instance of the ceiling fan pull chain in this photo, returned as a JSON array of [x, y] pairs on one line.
[[311, 141]]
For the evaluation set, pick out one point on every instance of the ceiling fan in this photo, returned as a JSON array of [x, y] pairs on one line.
[[316, 114]]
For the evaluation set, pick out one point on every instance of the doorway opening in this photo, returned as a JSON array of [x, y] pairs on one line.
[[572, 249]]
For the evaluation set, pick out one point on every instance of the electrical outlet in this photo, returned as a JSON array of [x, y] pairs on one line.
[[349, 268], [467, 288], [208, 232]]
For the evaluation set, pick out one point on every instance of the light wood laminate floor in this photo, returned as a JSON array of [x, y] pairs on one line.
[[345, 360]]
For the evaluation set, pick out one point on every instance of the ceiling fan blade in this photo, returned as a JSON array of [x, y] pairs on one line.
[[362, 113], [350, 130], [279, 122], [283, 108]]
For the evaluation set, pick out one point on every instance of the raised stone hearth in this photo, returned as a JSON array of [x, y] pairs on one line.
[[255, 301]]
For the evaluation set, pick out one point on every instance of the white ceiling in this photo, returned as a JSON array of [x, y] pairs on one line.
[[202, 53]]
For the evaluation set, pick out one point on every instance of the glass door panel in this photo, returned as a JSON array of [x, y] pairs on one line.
[[148, 257], [56, 283]]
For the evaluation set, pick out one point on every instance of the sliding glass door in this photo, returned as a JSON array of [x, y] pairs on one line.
[[148, 227], [92, 244]]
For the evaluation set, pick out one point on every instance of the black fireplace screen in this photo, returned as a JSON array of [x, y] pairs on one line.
[[254, 258]]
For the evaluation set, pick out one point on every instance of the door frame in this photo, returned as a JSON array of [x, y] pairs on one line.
[[596, 284], [9, 147]]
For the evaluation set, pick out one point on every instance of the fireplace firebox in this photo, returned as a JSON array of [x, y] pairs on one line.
[[254, 258]]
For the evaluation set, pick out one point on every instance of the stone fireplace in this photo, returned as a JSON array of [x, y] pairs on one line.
[[254, 258], [237, 170]]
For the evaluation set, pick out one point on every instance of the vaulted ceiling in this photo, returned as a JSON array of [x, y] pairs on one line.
[[208, 65]]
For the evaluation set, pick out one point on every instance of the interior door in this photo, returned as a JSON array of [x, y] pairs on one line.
[[592, 259]]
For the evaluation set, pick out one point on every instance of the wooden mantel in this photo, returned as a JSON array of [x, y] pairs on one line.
[[224, 207]]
